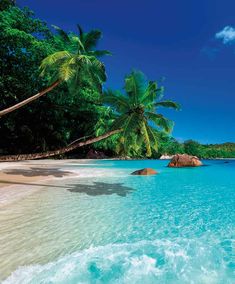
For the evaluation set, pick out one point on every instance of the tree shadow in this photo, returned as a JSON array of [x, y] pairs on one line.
[[34, 172], [32, 184], [95, 189], [101, 188]]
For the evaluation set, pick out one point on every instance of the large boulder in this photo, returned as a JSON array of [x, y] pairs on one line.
[[184, 160], [145, 172]]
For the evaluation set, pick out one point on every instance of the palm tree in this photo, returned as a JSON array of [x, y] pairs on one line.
[[136, 112], [136, 119], [77, 63]]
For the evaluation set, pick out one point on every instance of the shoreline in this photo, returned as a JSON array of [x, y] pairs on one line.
[[22, 178]]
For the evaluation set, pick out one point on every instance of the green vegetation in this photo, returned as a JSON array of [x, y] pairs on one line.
[[53, 120], [135, 111], [171, 146], [70, 100]]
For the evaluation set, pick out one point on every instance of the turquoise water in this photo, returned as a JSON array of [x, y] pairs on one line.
[[175, 227]]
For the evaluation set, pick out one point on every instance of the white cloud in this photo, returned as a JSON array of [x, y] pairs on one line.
[[227, 35]]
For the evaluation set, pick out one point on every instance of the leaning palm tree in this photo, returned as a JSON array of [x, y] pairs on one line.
[[136, 118], [137, 112], [75, 64]]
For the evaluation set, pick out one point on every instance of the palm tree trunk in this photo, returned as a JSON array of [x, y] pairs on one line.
[[70, 147], [30, 99]]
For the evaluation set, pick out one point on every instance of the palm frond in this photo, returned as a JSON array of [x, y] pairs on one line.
[[98, 70], [149, 95], [66, 70], [168, 104], [129, 128], [153, 137], [116, 100], [135, 85], [84, 60], [159, 93], [81, 33], [62, 34], [100, 53], [146, 138], [91, 39], [160, 121], [54, 58], [120, 122]]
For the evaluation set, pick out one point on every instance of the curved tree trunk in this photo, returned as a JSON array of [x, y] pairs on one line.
[[30, 99], [70, 147]]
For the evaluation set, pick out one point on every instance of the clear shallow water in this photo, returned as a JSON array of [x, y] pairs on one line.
[[176, 227]]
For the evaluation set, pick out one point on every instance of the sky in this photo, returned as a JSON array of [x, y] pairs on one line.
[[189, 43]]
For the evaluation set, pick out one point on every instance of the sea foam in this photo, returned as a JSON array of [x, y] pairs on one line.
[[160, 261]]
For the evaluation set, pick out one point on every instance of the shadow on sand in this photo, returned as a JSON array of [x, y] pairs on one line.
[[34, 172], [95, 189], [101, 188]]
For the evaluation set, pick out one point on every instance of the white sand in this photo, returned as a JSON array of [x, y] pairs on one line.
[[18, 179]]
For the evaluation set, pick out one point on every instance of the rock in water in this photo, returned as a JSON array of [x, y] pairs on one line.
[[184, 160], [145, 172]]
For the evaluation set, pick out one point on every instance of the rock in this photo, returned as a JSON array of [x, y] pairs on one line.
[[145, 172], [166, 157], [93, 154], [184, 160]]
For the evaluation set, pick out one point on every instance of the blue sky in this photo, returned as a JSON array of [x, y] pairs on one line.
[[191, 43]]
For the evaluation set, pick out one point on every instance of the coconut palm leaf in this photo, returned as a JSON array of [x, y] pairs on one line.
[[55, 58], [135, 85], [116, 100], [160, 121], [120, 121], [91, 39], [153, 137], [129, 128], [168, 104], [80, 30], [146, 138], [100, 53], [66, 72], [149, 95], [62, 34]]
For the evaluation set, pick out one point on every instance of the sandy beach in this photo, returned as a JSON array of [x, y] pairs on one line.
[[18, 179]]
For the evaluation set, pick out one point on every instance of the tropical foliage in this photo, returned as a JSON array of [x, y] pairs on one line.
[[137, 114], [129, 121], [5, 4], [53, 120], [78, 64], [205, 151]]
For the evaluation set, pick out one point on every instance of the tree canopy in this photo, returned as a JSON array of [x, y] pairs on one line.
[[137, 114], [78, 106]]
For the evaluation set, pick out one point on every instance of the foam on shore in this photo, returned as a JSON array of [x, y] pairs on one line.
[[159, 261]]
